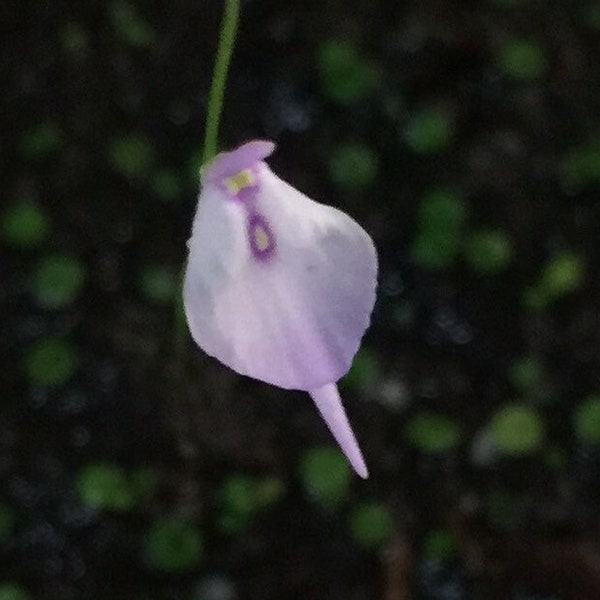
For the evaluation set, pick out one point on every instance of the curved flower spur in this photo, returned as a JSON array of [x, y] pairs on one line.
[[277, 286]]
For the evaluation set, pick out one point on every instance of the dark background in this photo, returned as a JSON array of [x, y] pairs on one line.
[[464, 136]]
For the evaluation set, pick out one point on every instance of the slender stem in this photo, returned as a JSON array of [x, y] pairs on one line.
[[229, 26], [227, 34]]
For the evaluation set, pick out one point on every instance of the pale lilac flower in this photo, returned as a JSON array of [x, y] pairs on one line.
[[279, 287]]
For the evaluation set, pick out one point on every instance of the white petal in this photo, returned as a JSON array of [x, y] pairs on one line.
[[296, 318]]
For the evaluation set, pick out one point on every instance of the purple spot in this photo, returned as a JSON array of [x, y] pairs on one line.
[[260, 236]]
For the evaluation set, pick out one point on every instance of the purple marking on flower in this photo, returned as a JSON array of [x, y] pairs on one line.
[[298, 323], [260, 236]]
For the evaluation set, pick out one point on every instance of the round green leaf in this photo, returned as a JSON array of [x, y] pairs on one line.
[[522, 59], [50, 361], [132, 155], [488, 251], [326, 476], [517, 430], [167, 185], [104, 487], [439, 544], [159, 283], [25, 224], [428, 132], [353, 166], [12, 591], [7, 521], [346, 77], [40, 141], [371, 525], [57, 281], [433, 433], [587, 420], [173, 546]]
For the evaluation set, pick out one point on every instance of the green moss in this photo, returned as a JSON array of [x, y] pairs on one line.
[[50, 361], [353, 166], [325, 476], [57, 281], [371, 525], [25, 224], [433, 433], [428, 132], [173, 546], [586, 420], [488, 252], [522, 59], [346, 77], [517, 430]]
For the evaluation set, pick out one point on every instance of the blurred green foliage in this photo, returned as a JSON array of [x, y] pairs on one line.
[[517, 430], [346, 76], [526, 374], [488, 251], [591, 14], [131, 28], [57, 281], [12, 591], [25, 224], [581, 165], [74, 39], [370, 525], [428, 132], [364, 372], [561, 275], [40, 141], [159, 283], [440, 221], [132, 155], [439, 544], [353, 166], [243, 497], [167, 185], [173, 546], [50, 361], [7, 521], [104, 486], [325, 476], [522, 59], [586, 420], [433, 433]]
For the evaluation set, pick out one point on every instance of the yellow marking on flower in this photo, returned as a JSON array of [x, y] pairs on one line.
[[239, 181], [261, 238]]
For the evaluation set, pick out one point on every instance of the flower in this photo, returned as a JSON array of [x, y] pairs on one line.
[[279, 287]]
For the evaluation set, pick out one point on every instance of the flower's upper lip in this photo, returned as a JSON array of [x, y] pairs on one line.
[[227, 164]]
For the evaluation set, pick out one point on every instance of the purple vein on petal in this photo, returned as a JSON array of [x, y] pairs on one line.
[[260, 236], [329, 404]]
